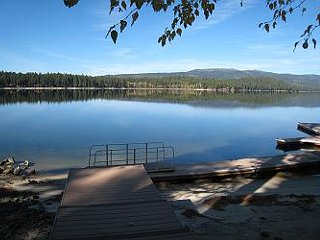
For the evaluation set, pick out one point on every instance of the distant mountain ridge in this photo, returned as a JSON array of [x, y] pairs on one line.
[[306, 80]]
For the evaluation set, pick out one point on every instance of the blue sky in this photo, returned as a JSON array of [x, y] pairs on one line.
[[45, 36]]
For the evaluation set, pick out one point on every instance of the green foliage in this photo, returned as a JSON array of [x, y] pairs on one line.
[[185, 12], [70, 3], [59, 80], [282, 8]]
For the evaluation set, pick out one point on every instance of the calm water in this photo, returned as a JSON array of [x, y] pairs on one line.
[[56, 132]]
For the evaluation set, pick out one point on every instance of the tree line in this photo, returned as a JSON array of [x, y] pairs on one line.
[[60, 80], [201, 98]]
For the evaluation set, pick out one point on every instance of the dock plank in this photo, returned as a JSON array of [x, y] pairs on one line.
[[114, 203], [310, 128]]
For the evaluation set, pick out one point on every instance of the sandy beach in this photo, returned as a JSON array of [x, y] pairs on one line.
[[28, 205], [279, 206], [283, 206]]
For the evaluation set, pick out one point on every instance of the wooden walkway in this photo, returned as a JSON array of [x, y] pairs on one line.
[[244, 166], [310, 128], [114, 203]]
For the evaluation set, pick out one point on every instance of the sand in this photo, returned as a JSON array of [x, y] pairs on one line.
[[28, 205], [280, 206]]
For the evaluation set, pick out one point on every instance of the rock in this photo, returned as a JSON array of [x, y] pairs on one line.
[[17, 171], [8, 171], [7, 161], [10, 166], [26, 164], [10, 161], [32, 172], [23, 173]]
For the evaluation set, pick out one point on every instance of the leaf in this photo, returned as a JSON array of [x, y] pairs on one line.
[[114, 3], [165, 7], [267, 27], [139, 3], [173, 35], [206, 14], [70, 3], [124, 5], [114, 36], [157, 5], [271, 6], [179, 31], [274, 24], [163, 40], [305, 45], [283, 15], [290, 10], [314, 42], [123, 25], [135, 16]]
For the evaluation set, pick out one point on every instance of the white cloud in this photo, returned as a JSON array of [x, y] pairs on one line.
[[297, 64], [143, 67]]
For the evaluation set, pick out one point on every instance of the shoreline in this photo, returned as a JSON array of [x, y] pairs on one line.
[[28, 205], [219, 90]]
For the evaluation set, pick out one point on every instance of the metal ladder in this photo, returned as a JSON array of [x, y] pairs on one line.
[[129, 154]]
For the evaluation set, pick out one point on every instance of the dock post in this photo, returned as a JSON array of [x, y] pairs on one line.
[[107, 155], [127, 149], [146, 152], [134, 156]]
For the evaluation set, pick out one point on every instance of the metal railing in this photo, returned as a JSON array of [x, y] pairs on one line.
[[129, 153]]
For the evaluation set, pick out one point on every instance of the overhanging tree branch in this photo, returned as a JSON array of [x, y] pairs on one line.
[[185, 12]]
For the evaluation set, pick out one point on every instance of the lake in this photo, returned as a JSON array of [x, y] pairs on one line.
[[55, 129]]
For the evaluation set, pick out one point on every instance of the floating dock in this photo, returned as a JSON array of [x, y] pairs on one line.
[[240, 167], [291, 142], [309, 128], [311, 143], [297, 142], [114, 203]]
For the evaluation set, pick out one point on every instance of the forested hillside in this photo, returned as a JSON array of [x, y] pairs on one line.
[[55, 80]]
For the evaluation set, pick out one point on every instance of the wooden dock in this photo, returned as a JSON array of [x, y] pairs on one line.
[[309, 128], [114, 203], [240, 167]]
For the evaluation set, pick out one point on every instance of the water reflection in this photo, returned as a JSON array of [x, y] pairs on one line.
[[57, 132], [195, 98]]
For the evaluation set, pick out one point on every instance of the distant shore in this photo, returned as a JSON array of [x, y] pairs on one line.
[[224, 90]]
